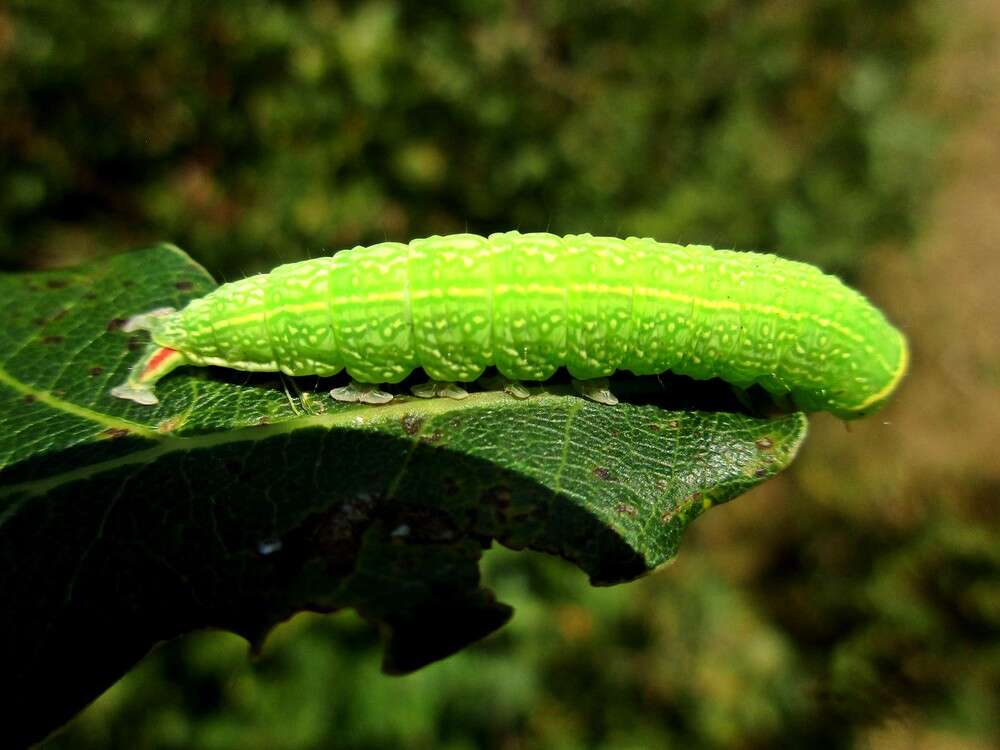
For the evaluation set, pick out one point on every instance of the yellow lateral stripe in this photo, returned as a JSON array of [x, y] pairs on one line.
[[542, 288], [904, 362], [722, 304], [196, 359], [262, 314], [452, 291], [360, 299], [589, 288], [239, 320]]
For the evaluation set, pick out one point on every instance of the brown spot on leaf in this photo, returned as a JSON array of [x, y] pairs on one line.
[[673, 424], [171, 424], [760, 473], [53, 339], [29, 398], [601, 473], [95, 371], [655, 427], [115, 324], [113, 433], [683, 507], [626, 510], [333, 536], [411, 423], [764, 444], [434, 437], [185, 286], [46, 319]]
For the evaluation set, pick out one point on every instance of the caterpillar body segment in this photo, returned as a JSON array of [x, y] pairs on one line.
[[531, 303]]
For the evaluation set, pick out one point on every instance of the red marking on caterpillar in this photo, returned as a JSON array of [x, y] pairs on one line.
[[157, 359]]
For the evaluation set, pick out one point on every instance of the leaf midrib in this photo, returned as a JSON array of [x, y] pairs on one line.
[[360, 417], [76, 410]]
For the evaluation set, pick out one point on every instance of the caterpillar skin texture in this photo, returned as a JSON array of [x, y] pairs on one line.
[[530, 303]]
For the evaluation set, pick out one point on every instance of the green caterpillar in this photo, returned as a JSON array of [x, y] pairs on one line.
[[531, 303]]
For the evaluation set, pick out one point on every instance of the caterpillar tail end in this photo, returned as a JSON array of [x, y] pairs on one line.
[[157, 362], [147, 320]]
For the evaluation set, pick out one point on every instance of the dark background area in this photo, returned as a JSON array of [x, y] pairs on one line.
[[853, 602]]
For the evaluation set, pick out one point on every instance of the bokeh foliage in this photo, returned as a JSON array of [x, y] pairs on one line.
[[252, 133], [256, 132]]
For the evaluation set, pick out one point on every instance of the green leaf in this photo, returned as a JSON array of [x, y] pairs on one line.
[[239, 500]]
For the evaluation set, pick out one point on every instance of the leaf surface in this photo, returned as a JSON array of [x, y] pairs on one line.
[[239, 500]]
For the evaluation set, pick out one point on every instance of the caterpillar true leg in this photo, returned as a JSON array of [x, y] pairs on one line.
[[365, 393], [596, 389], [433, 389]]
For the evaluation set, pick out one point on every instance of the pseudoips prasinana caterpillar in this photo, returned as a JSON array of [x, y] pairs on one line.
[[531, 303]]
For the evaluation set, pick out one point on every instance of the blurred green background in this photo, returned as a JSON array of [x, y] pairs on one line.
[[853, 602]]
